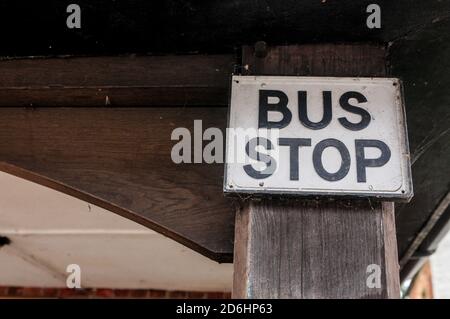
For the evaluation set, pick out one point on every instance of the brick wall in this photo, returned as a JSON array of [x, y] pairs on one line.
[[32, 292], [422, 287]]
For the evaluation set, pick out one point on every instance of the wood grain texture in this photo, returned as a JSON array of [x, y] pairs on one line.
[[314, 249], [120, 159], [391, 257], [317, 60], [116, 81], [321, 248]]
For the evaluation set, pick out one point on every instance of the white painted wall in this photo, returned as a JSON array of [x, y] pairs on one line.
[[440, 269], [50, 230]]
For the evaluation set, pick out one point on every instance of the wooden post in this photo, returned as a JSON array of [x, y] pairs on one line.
[[315, 248]]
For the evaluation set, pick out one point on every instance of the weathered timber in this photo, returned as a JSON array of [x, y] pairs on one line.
[[322, 248], [199, 80]]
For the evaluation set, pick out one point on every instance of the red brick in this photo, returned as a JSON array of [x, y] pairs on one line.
[[104, 293], [15, 291], [4, 291], [49, 292], [176, 294], [215, 295], [85, 292], [64, 293], [138, 293], [157, 294], [122, 293], [195, 295], [31, 292], [73, 293]]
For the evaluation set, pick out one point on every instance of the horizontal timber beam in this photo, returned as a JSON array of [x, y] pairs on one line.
[[198, 80], [171, 80]]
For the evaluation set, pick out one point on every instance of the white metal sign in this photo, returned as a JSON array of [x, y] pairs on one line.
[[317, 136]]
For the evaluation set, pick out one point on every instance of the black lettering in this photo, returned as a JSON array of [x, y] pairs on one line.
[[294, 145], [303, 113], [362, 162], [365, 116], [317, 160], [280, 106], [271, 164]]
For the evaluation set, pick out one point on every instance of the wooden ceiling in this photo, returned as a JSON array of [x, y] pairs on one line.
[[212, 26]]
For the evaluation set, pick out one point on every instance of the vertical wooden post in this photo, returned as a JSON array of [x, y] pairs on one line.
[[315, 248]]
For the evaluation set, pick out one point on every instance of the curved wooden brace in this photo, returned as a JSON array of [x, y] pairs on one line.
[[119, 159]]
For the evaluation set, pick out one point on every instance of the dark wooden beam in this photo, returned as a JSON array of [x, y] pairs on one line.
[[322, 248], [317, 60], [199, 80], [120, 159]]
